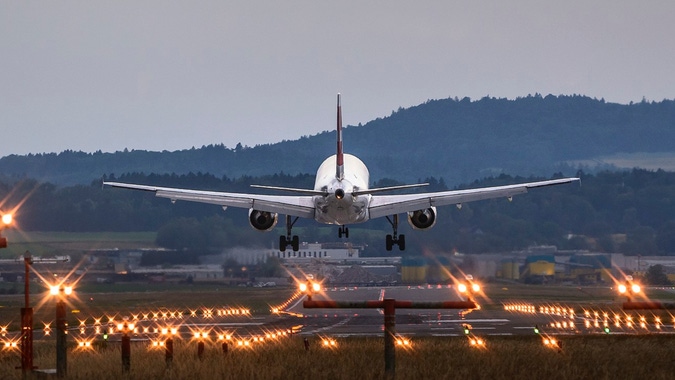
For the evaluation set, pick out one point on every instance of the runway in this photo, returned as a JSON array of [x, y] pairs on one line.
[[489, 319]]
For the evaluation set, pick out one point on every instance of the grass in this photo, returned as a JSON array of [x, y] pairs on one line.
[[56, 243], [581, 357]]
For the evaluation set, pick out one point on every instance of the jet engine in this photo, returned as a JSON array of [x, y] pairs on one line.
[[422, 219], [262, 220]]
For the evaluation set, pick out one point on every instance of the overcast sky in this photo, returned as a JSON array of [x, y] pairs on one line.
[[169, 75]]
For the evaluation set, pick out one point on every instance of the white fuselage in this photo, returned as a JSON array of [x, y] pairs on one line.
[[344, 208]]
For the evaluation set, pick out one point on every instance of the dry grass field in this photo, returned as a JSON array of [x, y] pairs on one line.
[[523, 357]]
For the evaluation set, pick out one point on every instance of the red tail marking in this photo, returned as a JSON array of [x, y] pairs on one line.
[[340, 169]]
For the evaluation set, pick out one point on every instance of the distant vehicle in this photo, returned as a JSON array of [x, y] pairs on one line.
[[341, 196]]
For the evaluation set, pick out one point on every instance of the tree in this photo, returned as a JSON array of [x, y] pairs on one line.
[[272, 267], [657, 276]]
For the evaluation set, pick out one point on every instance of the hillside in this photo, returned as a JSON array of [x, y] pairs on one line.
[[457, 140]]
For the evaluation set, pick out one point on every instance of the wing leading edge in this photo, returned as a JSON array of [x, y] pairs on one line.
[[384, 205]]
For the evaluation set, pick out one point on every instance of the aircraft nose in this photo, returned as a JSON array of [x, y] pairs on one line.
[[339, 194]]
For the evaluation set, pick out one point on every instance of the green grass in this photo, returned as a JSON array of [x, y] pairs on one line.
[[59, 243]]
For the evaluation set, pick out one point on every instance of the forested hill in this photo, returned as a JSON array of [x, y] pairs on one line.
[[457, 140]]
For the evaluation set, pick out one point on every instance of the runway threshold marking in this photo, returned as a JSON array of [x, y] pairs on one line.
[[341, 323], [467, 321]]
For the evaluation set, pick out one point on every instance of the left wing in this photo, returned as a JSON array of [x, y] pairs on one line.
[[384, 205], [294, 205]]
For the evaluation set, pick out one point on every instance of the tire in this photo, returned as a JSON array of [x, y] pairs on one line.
[[282, 243], [296, 243], [401, 242], [389, 242]]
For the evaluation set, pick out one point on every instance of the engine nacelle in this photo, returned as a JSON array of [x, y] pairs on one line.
[[422, 219], [262, 220]]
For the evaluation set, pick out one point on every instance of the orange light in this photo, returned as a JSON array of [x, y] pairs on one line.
[[7, 219], [477, 342]]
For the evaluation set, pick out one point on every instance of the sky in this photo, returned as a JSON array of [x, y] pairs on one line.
[[170, 75]]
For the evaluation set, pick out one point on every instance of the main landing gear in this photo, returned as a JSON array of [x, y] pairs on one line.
[[343, 231], [285, 241], [395, 239]]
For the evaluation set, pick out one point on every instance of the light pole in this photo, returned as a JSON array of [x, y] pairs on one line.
[[6, 221], [26, 312], [27, 320], [125, 327], [61, 292]]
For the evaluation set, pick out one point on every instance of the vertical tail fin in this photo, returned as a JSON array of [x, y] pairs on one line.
[[339, 158]]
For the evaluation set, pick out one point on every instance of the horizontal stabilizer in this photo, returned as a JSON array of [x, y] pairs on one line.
[[291, 189], [390, 188]]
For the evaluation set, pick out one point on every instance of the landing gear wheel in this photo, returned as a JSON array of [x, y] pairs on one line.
[[285, 241], [343, 231], [395, 238], [295, 243]]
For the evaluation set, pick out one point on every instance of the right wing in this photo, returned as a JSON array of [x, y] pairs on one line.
[[385, 205], [294, 205]]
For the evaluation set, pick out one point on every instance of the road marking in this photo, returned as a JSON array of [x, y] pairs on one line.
[[467, 320], [342, 322]]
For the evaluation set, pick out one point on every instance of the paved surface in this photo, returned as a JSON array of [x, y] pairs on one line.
[[490, 320]]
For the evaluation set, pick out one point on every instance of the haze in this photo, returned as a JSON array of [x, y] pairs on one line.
[[160, 75]]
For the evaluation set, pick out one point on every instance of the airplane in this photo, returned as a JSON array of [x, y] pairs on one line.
[[341, 197]]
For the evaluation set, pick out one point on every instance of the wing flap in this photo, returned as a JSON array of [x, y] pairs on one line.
[[301, 206], [396, 204]]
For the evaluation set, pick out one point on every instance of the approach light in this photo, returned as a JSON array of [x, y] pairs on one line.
[[403, 342], [461, 288], [327, 342], [550, 342], [477, 342], [7, 219], [59, 289]]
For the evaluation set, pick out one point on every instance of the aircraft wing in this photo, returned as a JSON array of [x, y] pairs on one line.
[[294, 205], [384, 205]]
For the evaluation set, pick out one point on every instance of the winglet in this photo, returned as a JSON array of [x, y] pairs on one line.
[[339, 158]]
